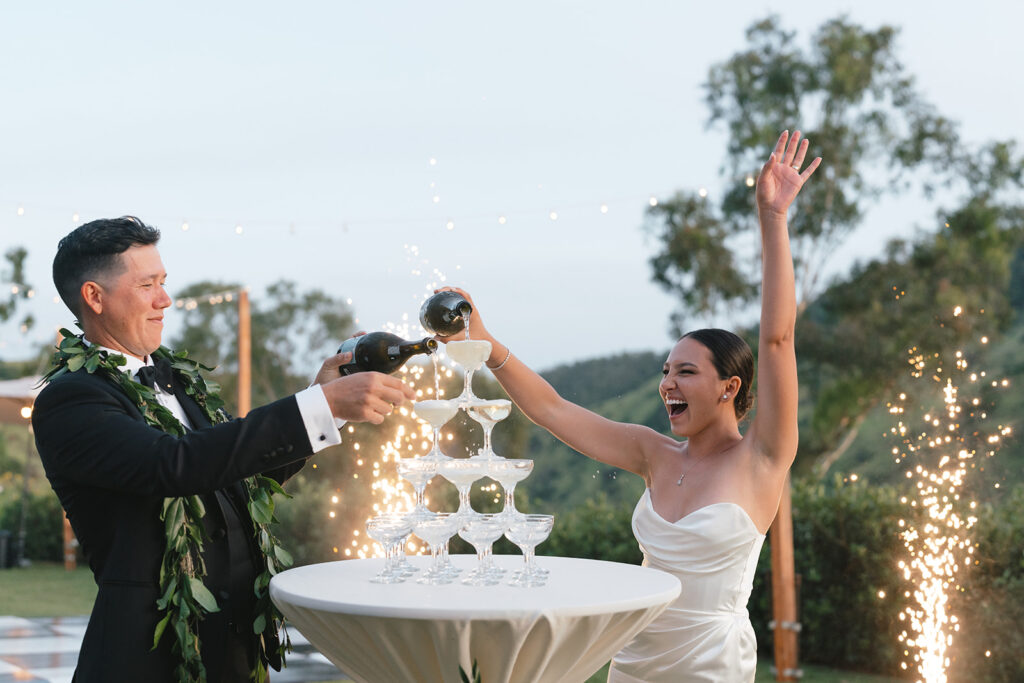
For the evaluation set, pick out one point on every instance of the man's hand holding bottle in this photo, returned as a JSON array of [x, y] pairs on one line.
[[360, 397]]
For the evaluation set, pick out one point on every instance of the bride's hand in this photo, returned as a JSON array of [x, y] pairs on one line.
[[476, 323], [780, 179]]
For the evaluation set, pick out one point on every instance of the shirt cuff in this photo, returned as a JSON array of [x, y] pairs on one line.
[[321, 426]]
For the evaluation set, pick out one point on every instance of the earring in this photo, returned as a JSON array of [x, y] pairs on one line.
[[725, 397]]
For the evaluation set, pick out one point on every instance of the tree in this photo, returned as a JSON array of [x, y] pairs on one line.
[[292, 333], [15, 288], [851, 97], [876, 134]]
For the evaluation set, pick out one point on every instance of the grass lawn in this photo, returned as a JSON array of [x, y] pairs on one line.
[[812, 674], [46, 590]]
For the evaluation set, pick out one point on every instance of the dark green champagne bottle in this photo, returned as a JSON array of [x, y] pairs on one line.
[[445, 313], [381, 352]]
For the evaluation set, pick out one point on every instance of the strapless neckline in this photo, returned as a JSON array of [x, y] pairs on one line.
[[704, 508]]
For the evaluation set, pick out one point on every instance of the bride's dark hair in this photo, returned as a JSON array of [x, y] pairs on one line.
[[731, 357]]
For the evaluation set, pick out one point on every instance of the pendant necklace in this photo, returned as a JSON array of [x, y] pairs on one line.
[[687, 471]]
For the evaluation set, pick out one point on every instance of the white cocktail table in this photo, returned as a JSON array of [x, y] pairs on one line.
[[384, 633]]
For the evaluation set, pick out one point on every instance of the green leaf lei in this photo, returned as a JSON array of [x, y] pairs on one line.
[[184, 598]]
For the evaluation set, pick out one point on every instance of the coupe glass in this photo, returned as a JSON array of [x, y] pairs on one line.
[[435, 412], [418, 472], [435, 532], [488, 414], [470, 354], [482, 532], [527, 532], [463, 472], [508, 472], [389, 530]]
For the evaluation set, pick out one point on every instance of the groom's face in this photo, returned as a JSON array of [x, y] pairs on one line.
[[131, 318]]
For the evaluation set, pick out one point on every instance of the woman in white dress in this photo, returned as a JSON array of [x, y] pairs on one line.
[[711, 497]]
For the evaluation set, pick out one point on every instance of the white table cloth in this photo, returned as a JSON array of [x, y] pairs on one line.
[[558, 633]]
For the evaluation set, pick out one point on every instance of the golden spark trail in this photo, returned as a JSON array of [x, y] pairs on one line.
[[410, 437], [938, 452]]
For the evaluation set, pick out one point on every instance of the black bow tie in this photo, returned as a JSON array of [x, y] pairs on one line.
[[157, 375]]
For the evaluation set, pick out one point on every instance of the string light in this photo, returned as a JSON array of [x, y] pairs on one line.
[[332, 223], [214, 299]]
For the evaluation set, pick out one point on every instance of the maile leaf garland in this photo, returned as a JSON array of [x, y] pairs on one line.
[[185, 599]]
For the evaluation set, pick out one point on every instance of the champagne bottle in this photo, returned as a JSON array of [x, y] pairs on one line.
[[381, 352], [445, 313]]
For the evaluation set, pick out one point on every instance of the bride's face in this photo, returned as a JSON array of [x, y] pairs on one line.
[[691, 389]]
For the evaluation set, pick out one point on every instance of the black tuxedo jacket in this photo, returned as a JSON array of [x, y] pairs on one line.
[[112, 472]]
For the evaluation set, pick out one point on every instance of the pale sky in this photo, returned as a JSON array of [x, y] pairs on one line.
[[313, 126]]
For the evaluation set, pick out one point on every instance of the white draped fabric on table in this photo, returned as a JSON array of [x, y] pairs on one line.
[[561, 632]]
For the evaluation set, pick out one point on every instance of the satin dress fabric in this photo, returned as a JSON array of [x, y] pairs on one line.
[[705, 635]]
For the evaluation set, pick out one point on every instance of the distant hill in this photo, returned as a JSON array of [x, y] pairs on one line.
[[623, 387]]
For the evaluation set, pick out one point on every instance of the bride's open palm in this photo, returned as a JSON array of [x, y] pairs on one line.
[[780, 179]]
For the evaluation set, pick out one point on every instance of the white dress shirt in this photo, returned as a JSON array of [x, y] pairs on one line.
[[322, 428]]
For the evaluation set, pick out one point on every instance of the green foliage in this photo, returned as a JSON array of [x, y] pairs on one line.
[[598, 530], [15, 288], [991, 606], [305, 525], [44, 520], [847, 548], [849, 94], [292, 333], [846, 541]]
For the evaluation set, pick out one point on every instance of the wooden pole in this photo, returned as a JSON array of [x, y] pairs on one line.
[[244, 354], [784, 624]]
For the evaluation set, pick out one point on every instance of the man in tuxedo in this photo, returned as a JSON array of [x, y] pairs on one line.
[[112, 471]]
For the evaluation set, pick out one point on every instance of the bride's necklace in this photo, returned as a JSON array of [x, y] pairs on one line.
[[687, 470]]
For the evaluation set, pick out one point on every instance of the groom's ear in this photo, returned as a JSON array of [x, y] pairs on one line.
[[92, 296]]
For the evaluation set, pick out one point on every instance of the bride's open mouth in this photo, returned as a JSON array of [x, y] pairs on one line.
[[675, 406]]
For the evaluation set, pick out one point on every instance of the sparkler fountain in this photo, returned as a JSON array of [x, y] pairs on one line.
[[938, 454]]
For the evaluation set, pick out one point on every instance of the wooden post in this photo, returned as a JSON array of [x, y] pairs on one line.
[[785, 625], [244, 354]]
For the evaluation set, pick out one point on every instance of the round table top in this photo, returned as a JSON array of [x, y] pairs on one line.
[[575, 587]]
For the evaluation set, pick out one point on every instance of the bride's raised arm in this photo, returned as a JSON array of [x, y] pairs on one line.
[[773, 431], [613, 443]]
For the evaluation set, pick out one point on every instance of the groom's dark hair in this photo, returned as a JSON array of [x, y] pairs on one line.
[[90, 252]]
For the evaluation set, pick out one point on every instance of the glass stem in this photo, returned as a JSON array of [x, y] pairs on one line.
[[435, 556], [527, 560], [488, 451]]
